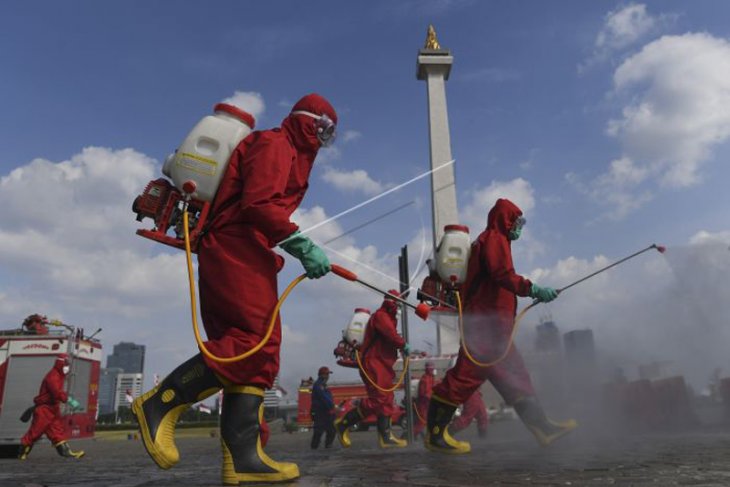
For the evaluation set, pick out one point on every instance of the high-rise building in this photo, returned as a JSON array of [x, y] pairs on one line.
[[127, 356], [127, 384], [107, 389]]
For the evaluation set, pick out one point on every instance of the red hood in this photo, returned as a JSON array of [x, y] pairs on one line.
[[301, 128], [502, 216]]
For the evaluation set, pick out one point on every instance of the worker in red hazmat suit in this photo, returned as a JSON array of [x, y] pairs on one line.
[[266, 179], [378, 353], [425, 389], [47, 412], [490, 293], [472, 409]]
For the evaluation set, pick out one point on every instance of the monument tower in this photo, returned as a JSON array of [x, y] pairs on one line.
[[434, 67]]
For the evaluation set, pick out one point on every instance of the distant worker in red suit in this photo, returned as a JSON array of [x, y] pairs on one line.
[[425, 388], [472, 409], [378, 354], [35, 324], [47, 412], [490, 293], [265, 181]]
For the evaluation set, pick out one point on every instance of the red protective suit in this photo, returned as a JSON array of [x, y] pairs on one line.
[[473, 409], [425, 388], [490, 302], [265, 182], [378, 353], [47, 414]]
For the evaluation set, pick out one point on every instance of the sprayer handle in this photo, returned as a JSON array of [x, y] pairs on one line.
[[343, 273]]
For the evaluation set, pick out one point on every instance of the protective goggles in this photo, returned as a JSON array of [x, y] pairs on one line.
[[520, 222], [326, 128]]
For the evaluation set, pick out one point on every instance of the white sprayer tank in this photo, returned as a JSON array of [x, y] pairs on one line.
[[203, 155], [355, 331], [452, 255]]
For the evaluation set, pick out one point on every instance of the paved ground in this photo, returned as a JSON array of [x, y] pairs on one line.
[[507, 457]]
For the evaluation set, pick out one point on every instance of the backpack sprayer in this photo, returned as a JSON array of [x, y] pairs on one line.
[[660, 248]]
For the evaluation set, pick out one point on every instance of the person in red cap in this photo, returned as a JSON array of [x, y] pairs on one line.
[[425, 389], [378, 353], [323, 410], [47, 412], [490, 293], [472, 409], [266, 180]]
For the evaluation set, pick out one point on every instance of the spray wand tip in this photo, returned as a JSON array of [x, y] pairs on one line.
[[422, 311], [660, 248]]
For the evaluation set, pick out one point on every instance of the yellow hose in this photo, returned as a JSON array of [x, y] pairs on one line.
[[194, 312], [509, 344], [372, 382]]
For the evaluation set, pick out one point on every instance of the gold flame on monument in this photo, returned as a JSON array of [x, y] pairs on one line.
[[431, 41]]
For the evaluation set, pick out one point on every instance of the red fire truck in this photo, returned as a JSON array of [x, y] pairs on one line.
[[346, 395], [25, 359]]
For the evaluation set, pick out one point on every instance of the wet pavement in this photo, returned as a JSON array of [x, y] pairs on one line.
[[508, 456]]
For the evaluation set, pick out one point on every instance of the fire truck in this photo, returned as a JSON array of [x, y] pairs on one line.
[[25, 359], [346, 396]]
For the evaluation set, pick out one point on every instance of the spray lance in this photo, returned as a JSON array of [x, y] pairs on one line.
[[660, 248]]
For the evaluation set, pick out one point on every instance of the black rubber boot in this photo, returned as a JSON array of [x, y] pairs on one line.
[[385, 435], [65, 451], [157, 411], [244, 459], [545, 430], [437, 436], [24, 451], [344, 424]]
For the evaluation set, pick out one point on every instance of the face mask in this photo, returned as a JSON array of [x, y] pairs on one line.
[[433, 371], [397, 314], [66, 369], [516, 231], [326, 128]]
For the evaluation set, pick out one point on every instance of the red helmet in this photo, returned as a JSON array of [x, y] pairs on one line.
[[324, 371]]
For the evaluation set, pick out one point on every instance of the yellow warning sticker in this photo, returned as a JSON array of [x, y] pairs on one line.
[[196, 163]]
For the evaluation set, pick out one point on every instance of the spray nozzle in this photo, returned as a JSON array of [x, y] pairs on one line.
[[660, 248]]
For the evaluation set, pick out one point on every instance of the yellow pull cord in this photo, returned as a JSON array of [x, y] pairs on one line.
[[415, 409], [372, 382], [193, 307], [509, 344]]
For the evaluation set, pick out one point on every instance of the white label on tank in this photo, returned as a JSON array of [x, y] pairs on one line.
[[196, 163]]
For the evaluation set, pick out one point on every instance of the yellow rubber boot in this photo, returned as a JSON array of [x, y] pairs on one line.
[[65, 451], [385, 435], [344, 424], [437, 438], [244, 459], [24, 451], [157, 410], [543, 428]]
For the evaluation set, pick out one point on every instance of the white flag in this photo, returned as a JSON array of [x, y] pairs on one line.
[[203, 408]]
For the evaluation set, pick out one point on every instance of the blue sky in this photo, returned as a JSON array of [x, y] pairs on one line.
[[607, 121]]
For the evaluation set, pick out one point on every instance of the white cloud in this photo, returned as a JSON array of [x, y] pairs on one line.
[[250, 101], [677, 112], [350, 135], [623, 28], [348, 181], [679, 108], [705, 237]]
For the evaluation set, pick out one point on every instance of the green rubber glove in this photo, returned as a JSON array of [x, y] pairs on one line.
[[406, 350], [543, 294], [313, 259], [515, 233], [73, 403]]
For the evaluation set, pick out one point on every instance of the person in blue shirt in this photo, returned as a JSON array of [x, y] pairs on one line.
[[323, 410]]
